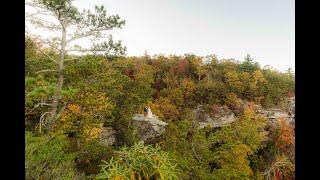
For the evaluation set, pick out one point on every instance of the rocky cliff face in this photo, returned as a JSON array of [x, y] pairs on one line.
[[107, 136], [223, 117], [151, 128], [148, 128], [287, 113]]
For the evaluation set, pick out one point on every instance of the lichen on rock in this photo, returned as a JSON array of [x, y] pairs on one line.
[[148, 127], [222, 117]]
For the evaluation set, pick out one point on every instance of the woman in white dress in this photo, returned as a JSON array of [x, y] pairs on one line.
[[149, 115]]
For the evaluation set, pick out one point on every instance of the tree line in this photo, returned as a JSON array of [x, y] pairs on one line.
[[70, 98]]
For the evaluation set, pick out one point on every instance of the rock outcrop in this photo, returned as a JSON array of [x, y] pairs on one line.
[[291, 107], [148, 127], [107, 136], [151, 128], [272, 114], [223, 117]]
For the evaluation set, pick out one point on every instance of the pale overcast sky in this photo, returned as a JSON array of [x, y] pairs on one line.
[[228, 28]]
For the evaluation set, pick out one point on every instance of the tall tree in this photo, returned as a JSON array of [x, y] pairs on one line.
[[68, 25]]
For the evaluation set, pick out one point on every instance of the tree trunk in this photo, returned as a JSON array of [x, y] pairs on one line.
[[57, 94]]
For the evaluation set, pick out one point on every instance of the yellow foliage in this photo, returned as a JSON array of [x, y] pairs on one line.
[[119, 177], [65, 120], [74, 108], [233, 80], [164, 109], [92, 132], [188, 86], [249, 112], [232, 100]]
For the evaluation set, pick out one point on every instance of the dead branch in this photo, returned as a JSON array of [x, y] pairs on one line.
[[194, 153], [46, 70], [62, 109], [42, 41], [48, 56], [41, 123]]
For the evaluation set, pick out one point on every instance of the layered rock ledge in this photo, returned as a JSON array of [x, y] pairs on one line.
[[148, 127]]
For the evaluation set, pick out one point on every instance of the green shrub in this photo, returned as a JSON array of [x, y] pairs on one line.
[[90, 156], [139, 162], [46, 158]]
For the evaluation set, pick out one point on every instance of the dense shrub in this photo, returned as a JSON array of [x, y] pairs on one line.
[[48, 158], [140, 162], [90, 156]]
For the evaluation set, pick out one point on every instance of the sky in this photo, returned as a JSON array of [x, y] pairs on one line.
[[227, 28]]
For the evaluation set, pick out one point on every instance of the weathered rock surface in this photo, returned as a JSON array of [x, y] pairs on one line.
[[291, 106], [107, 136], [272, 114], [148, 127], [151, 128], [223, 117]]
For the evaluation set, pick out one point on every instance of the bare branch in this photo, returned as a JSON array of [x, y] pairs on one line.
[[71, 59], [41, 23], [42, 120], [46, 70], [48, 56], [35, 5], [85, 50], [62, 109], [38, 105], [194, 153], [38, 12], [43, 41]]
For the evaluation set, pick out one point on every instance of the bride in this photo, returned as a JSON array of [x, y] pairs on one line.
[[149, 115]]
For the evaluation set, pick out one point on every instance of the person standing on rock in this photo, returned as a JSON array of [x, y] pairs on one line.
[[149, 115]]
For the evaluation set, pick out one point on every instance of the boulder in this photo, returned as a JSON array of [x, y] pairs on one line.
[[222, 117], [107, 136], [273, 114], [148, 128]]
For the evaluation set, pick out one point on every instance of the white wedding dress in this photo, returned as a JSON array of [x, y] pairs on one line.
[[149, 115]]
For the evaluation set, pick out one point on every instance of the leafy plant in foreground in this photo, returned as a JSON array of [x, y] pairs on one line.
[[139, 162]]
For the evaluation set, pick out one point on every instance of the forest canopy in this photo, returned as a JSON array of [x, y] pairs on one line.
[[70, 99]]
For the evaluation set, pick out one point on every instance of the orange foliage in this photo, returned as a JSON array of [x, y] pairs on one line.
[[74, 108], [285, 135], [156, 94], [92, 132], [129, 72], [215, 108], [277, 175], [290, 94], [181, 67]]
